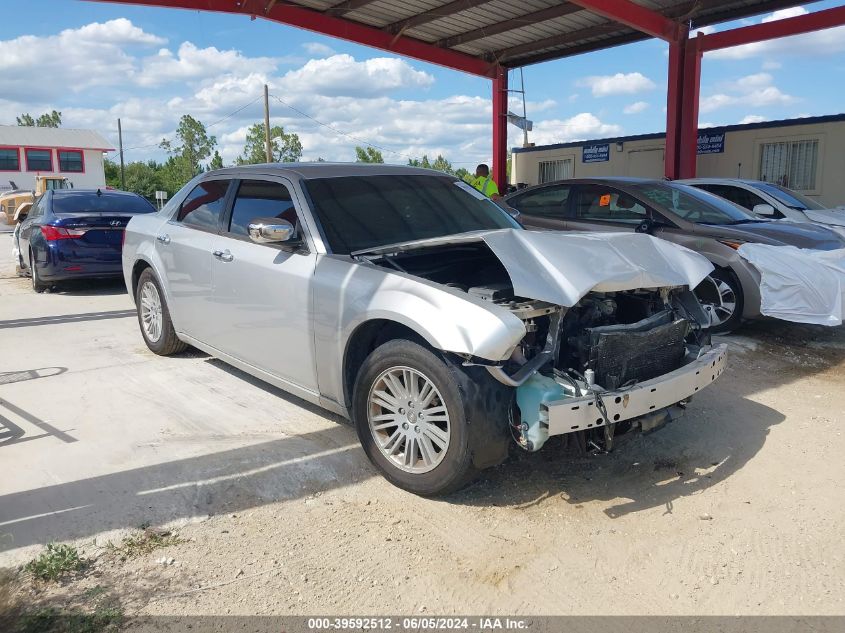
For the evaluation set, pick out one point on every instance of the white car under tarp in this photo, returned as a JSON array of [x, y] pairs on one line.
[[800, 285]]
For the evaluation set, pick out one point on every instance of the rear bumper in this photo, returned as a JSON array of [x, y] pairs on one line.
[[580, 413], [62, 261]]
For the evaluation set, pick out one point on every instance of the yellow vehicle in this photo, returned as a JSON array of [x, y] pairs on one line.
[[15, 204]]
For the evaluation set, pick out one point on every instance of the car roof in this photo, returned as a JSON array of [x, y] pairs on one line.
[[308, 171], [609, 180], [745, 181]]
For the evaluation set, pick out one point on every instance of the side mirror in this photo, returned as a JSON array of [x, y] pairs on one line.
[[763, 209], [270, 230], [646, 226]]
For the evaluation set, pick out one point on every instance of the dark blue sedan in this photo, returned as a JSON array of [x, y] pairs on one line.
[[76, 234]]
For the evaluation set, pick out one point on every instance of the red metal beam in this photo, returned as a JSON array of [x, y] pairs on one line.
[[634, 16], [688, 138], [500, 129], [798, 25], [674, 106], [317, 22]]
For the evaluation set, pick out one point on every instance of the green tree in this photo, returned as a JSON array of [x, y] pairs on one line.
[[193, 144], [440, 164], [462, 173], [144, 178], [416, 162], [112, 170], [49, 119], [285, 148], [368, 155], [216, 161]]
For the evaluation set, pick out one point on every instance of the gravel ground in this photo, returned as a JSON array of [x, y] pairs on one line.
[[734, 509]]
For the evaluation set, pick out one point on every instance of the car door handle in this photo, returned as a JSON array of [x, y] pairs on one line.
[[223, 256], [164, 238]]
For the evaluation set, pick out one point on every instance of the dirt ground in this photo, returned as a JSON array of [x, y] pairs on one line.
[[737, 508]]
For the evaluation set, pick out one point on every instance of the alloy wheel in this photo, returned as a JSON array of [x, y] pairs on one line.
[[408, 419], [718, 298], [151, 311]]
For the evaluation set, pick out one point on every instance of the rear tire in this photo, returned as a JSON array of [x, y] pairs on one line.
[[154, 317], [721, 296], [37, 285], [424, 422]]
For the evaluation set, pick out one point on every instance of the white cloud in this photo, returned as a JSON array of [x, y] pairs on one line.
[[620, 83], [772, 65], [755, 91], [824, 42], [318, 50], [635, 108], [704, 30], [120, 31], [577, 128], [752, 118], [342, 75], [192, 63]]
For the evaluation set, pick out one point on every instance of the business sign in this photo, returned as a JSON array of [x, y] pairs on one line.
[[711, 143], [595, 153]]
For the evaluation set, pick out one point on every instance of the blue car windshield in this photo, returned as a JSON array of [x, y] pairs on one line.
[[69, 201], [364, 212]]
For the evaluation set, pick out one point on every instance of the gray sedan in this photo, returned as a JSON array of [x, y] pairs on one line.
[[696, 219], [405, 300]]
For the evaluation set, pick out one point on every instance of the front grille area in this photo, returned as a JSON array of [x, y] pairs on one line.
[[637, 351]]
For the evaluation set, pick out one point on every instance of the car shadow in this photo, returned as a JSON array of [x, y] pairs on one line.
[[722, 431], [90, 287]]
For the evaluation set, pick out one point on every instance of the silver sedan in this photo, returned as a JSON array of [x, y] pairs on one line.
[[404, 300]]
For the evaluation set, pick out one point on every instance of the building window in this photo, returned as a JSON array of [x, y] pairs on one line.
[[71, 160], [790, 164], [552, 170], [10, 159], [39, 159]]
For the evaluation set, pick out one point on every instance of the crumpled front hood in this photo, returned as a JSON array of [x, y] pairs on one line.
[[561, 268]]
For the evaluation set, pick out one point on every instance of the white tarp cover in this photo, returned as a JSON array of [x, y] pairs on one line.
[[563, 267], [798, 284]]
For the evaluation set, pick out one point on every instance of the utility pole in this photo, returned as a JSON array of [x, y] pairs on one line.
[[267, 150], [120, 145]]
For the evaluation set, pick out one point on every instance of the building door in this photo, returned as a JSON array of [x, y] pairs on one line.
[[646, 163]]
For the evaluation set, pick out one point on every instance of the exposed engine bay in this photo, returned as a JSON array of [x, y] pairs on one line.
[[608, 342]]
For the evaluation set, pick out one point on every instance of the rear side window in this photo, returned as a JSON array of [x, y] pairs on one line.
[[204, 205], [70, 201], [600, 203], [261, 199], [549, 202]]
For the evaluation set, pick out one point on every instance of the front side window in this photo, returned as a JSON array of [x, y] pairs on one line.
[[547, 202], [261, 199], [695, 205], [364, 212], [70, 160], [737, 195], [10, 159], [601, 203], [203, 207], [39, 159]]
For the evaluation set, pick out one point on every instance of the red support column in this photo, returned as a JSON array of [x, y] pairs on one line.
[[688, 138], [674, 103], [500, 128]]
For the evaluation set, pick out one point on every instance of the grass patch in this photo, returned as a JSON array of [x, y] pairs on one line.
[[56, 561], [147, 540], [105, 618]]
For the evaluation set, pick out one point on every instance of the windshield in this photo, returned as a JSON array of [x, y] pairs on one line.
[[695, 205], [364, 212], [790, 198], [89, 202]]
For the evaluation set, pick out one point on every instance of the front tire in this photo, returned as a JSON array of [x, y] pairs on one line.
[[419, 421], [154, 317], [721, 296]]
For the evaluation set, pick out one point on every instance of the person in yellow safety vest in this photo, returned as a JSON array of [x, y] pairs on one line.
[[483, 182]]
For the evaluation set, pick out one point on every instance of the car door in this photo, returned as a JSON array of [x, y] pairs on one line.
[[544, 207], [30, 223], [262, 292], [185, 245]]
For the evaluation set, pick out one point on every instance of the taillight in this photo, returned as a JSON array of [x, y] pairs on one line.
[[53, 233]]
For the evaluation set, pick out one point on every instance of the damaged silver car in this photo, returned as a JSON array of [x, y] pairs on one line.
[[409, 303]]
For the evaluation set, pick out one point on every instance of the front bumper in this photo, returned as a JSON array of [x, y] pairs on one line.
[[580, 413]]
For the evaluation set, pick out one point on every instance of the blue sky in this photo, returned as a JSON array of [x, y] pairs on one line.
[[97, 61]]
